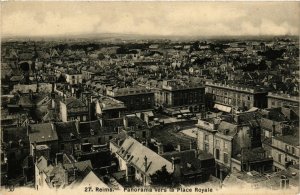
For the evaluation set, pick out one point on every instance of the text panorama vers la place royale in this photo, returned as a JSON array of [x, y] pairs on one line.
[[180, 189]]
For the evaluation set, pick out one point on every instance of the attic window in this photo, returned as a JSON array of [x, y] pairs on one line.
[[72, 135], [188, 165], [92, 132]]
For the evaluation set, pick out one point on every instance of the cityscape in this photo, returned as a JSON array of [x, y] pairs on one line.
[[134, 113]]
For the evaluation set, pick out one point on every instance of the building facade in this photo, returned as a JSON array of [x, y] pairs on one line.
[[276, 100], [174, 93], [231, 96], [135, 99]]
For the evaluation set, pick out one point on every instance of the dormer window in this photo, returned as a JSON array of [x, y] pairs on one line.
[[72, 135], [92, 132]]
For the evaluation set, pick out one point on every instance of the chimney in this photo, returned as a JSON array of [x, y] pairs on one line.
[[191, 144], [59, 158], [101, 121], [176, 167], [236, 118], [77, 125], [178, 148], [53, 103], [28, 129], [160, 148], [145, 163], [125, 122], [273, 129]]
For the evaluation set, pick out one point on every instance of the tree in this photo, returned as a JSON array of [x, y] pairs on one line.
[[162, 177]]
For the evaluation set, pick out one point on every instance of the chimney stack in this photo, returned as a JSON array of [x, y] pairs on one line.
[[125, 122], [273, 129], [77, 125], [59, 158], [160, 148], [178, 148], [176, 167], [145, 163], [191, 144]]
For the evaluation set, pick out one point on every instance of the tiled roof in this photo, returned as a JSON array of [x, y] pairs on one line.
[[227, 128], [85, 128], [81, 165], [74, 102], [42, 133], [134, 152], [188, 161], [66, 130], [14, 134]]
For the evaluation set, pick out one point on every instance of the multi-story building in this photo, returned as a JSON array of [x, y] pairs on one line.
[[226, 139], [226, 96], [179, 94], [276, 100], [65, 172], [72, 108], [138, 161], [42, 137], [135, 99], [108, 107], [73, 78], [285, 151]]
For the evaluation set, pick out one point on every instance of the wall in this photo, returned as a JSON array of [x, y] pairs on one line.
[[63, 112], [225, 146]]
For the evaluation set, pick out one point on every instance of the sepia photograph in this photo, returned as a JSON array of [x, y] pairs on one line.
[[149, 97]]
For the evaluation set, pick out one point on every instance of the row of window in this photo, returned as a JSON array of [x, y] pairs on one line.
[[231, 94], [225, 156]]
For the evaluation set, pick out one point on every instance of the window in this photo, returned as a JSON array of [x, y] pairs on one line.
[[225, 158], [293, 150], [206, 137], [206, 147], [279, 158], [217, 142], [99, 140], [225, 145], [144, 134], [287, 148], [217, 154]]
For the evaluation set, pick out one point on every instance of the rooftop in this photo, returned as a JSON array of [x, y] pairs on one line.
[[42, 133], [110, 103], [128, 91], [179, 85], [284, 96], [134, 152], [237, 87]]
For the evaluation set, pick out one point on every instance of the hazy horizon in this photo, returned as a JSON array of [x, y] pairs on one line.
[[156, 19]]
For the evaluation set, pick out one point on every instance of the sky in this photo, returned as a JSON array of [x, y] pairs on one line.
[[150, 18]]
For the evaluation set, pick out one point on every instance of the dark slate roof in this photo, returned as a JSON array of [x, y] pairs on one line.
[[15, 134], [74, 102], [136, 121], [226, 126], [188, 161], [117, 122], [255, 154], [85, 128], [42, 133], [81, 165], [66, 130]]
